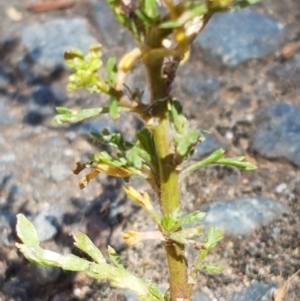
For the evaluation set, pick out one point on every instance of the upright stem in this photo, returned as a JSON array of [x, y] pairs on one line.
[[169, 194]]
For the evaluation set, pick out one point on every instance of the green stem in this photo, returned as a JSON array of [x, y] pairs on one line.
[[169, 190]]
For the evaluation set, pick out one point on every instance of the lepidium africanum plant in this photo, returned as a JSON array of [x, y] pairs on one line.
[[160, 154]]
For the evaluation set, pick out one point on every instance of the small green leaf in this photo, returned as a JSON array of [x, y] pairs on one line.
[[73, 263], [171, 222], [114, 257], [69, 116], [185, 236], [83, 243], [104, 157], [74, 58], [93, 57], [214, 236], [146, 141], [237, 162], [186, 142], [135, 156], [38, 255], [149, 7], [179, 120], [195, 216], [170, 24], [155, 291], [212, 268], [113, 108], [86, 70], [211, 159], [143, 17], [26, 231], [111, 71]]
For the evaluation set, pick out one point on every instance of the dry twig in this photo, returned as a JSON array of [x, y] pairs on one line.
[[289, 50], [49, 5], [281, 291]]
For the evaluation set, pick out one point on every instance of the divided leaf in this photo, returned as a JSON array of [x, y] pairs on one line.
[[114, 257], [70, 116], [26, 231], [83, 243]]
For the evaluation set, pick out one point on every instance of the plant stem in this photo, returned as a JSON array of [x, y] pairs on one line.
[[169, 190]]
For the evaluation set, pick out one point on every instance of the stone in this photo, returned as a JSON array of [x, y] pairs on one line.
[[59, 172], [46, 43], [44, 275], [242, 216], [97, 126], [47, 223], [198, 87], [241, 35], [7, 222], [48, 95], [6, 117], [5, 80], [208, 146], [277, 133], [257, 291], [112, 33], [35, 114], [201, 297]]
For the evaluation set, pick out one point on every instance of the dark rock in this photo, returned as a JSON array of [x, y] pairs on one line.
[[44, 275], [286, 72], [277, 133], [110, 29], [7, 44], [7, 222], [243, 215], [5, 80], [46, 43], [34, 117], [48, 95], [199, 87], [239, 36], [257, 291]]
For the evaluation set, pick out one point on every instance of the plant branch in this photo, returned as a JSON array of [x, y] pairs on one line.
[[169, 190]]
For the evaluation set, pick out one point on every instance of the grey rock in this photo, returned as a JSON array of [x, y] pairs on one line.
[[59, 172], [239, 36], [44, 275], [33, 117], [48, 95], [7, 44], [257, 291], [7, 222], [97, 125], [35, 114], [243, 215], [46, 43], [201, 297], [129, 295], [208, 146], [112, 33], [277, 133], [47, 223], [5, 80], [6, 118], [198, 87]]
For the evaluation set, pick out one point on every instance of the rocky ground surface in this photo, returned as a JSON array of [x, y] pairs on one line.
[[235, 85]]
